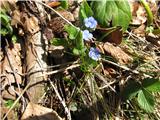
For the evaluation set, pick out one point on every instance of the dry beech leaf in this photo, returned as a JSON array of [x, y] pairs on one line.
[[109, 71], [57, 23], [138, 13], [140, 31], [16, 18], [31, 25], [53, 4], [15, 61], [37, 112], [8, 5], [153, 39], [117, 53], [114, 35]]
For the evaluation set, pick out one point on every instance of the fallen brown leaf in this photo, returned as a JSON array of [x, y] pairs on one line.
[[53, 4], [140, 31], [57, 23], [117, 53], [37, 112], [113, 35], [31, 25], [16, 18], [153, 39]]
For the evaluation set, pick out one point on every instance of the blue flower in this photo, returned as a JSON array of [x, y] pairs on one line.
[[94, 54], [90, 22], [87, 35]]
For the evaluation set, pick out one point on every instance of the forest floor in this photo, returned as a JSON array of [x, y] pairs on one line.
[[52, 68]]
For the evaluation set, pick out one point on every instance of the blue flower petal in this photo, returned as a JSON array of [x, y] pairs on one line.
[[86, 35], [90, 22], [94, 54]]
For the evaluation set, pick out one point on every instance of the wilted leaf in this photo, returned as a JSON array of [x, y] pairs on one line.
[[146, 100], [8, 5], [153, 39], [57, 23], [16, 18], [138, 13], [151, 84], [31, 24], [37, 112], [15, 61], [116, 11], [140, 31], [117, 53], [112, 35], [53, 4]]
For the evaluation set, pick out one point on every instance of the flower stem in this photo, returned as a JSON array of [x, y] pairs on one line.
[[148, 11]]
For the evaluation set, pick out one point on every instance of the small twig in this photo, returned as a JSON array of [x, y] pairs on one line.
[[15, 102], [62, 101], [107, 85], [63, 64], [55, 12], [125, 68], [104, 80], [61, 70]]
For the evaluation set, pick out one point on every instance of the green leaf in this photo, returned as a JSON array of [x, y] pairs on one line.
[[78, 51], [59, 41], [64, 4], [4, 19], [14, 39], [151, 84], [72, 31], [131, 90], [85, 11], [116, 12], [9, 103], [3, 31], [75, 35], [146, 100]]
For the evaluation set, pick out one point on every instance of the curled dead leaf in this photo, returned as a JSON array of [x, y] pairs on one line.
[[31, 25], [112, 35], [53, 4], [117, 53], [153, 39], [37, 112], [14, 61], [57, 23], [140, 31], [16, 18], [8, 5]]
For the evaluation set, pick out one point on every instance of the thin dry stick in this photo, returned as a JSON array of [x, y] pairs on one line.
[[104, 80], [62, 101], [55, 12], [61, 70], [52, 72], [15, 102], [9, 61], [107, 85], [125, 68]]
